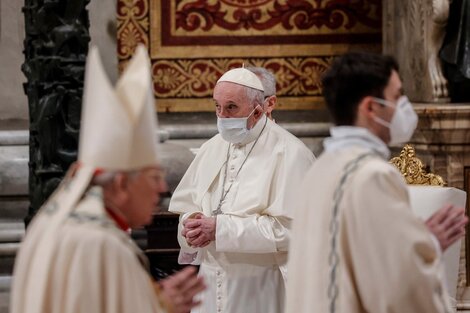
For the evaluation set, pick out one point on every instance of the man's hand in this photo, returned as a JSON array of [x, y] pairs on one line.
[[448, 225], [185, 228], [199, 231], [178, 290]]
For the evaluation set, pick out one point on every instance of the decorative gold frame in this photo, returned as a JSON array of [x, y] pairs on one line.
[[412, 169], [186, 63]]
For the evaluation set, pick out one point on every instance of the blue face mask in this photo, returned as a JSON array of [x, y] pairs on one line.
[[234, 129]]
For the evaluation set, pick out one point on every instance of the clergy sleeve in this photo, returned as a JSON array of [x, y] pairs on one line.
[[394, 262], [251, 234], [181, 240], [187, 254]]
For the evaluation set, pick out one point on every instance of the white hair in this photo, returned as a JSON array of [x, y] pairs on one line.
[[267, 79], [107, 177], [254, 96]]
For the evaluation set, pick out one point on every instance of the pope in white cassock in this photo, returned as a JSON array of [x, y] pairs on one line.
[[237, 199], [77, 255], [356, 245]]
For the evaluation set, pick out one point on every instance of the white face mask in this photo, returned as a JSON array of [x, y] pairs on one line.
[[234, 129], [404, 120]]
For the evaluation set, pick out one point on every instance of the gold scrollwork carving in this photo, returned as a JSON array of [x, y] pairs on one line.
[[132, 26], [412, 169]]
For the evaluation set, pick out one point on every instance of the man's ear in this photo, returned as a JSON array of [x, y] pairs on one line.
[[120, 182], [271, 104], [366, 110], [367, 107], [116, 192]]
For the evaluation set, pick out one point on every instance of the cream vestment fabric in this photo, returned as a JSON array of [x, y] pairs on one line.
[[376, 255]]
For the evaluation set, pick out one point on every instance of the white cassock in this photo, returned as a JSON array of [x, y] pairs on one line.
[[376, 255], [87, 265], [246, 265]]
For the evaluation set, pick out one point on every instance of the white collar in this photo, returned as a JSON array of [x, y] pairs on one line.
[[348, 136]]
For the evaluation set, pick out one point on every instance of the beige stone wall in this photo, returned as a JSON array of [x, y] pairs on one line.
[[13, 101]]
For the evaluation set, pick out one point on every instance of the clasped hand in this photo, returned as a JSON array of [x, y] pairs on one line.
[[199, 230]]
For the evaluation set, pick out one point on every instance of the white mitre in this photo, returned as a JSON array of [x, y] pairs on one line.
[[118, 127], [242, 76]]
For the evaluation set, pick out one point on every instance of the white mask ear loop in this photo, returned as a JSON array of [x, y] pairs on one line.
[[265, 103], [379, 120], [384, 102], [258, 105]]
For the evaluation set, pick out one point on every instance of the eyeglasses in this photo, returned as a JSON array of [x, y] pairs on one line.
[[160, 175], [157, 174]]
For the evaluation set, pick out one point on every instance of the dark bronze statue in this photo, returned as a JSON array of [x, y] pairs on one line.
[[455, 51], [55, 49]]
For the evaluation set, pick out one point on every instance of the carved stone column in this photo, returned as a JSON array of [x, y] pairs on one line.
[[413, 32], [55, 49]]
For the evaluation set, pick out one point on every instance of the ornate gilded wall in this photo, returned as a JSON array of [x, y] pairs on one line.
[[192, 42]]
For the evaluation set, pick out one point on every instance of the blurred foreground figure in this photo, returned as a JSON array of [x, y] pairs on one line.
[[356, 245], [77, 255]]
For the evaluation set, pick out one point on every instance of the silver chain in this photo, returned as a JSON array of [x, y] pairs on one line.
[[218, 210]]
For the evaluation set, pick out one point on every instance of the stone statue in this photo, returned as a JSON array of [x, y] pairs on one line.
[[413, 33], [440, 14]]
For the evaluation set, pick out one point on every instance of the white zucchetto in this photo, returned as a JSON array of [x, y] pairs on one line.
[[242, 76]]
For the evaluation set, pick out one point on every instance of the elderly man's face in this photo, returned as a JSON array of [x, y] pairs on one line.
[[143, 194], [231, 101]]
